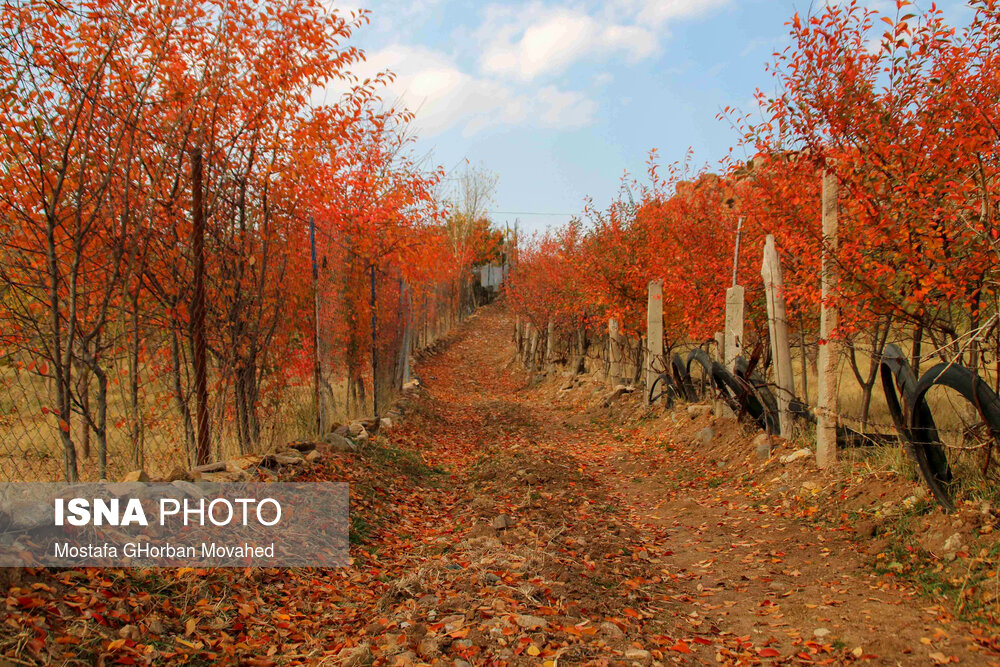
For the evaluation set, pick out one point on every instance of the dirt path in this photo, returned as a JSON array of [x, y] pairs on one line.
[[573, 540], [502, 523]]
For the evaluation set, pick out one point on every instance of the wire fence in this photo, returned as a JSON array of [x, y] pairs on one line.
[[937, 402], [131, 389]]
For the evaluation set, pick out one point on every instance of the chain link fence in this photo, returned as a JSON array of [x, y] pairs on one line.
[[131, 390]]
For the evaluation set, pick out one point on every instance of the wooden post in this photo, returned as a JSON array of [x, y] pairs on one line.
[[198, 342], [374, 347], [654, 333], [777, 324], [550, 342], [826, 413], [519, 336], [614, 353], [317, 361], [733, 345], [533, 346], [406, 345]]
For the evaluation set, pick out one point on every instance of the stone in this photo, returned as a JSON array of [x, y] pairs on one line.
[[286, 460], [811, 487], [136, 476], [355, 428], [121, 489], [338, 444], [313, 456], [609, 629], [529, 623], [723, 411], [638, 655], [797, 455], [179, 474], [616, 393], [502, 522], [698, 410], [129, 632], [953, 544], [820, 633], [284, 451], [188, 488], [704, 436], [385, 424], [762, 444], [412, 385], [29, 516]]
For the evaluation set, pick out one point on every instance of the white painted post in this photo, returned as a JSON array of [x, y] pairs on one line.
[[777, 324], [614, 353], [654, 332], [733, 345], [826, 413]]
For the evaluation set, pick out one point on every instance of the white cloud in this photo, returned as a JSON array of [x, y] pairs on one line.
[[659, 12], [567, 109], [429, 83], [524, 45], [547, 46], [536, 40]]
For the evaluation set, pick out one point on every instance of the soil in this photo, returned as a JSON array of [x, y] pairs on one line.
[[508, 519]]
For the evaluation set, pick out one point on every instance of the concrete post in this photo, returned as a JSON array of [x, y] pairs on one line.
[[777, 324], [720, 346], [826, 413], [734, 326], [614, 353], [654, 333]]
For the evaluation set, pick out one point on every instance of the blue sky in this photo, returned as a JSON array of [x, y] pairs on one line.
[[561, 98]]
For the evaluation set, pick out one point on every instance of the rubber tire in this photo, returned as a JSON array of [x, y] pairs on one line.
[[700, 357], [927, 445], [670, 390], [682, 379], [763, 394], [741, 396]]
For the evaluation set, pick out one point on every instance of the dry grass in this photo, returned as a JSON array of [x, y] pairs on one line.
[[31, 450]]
